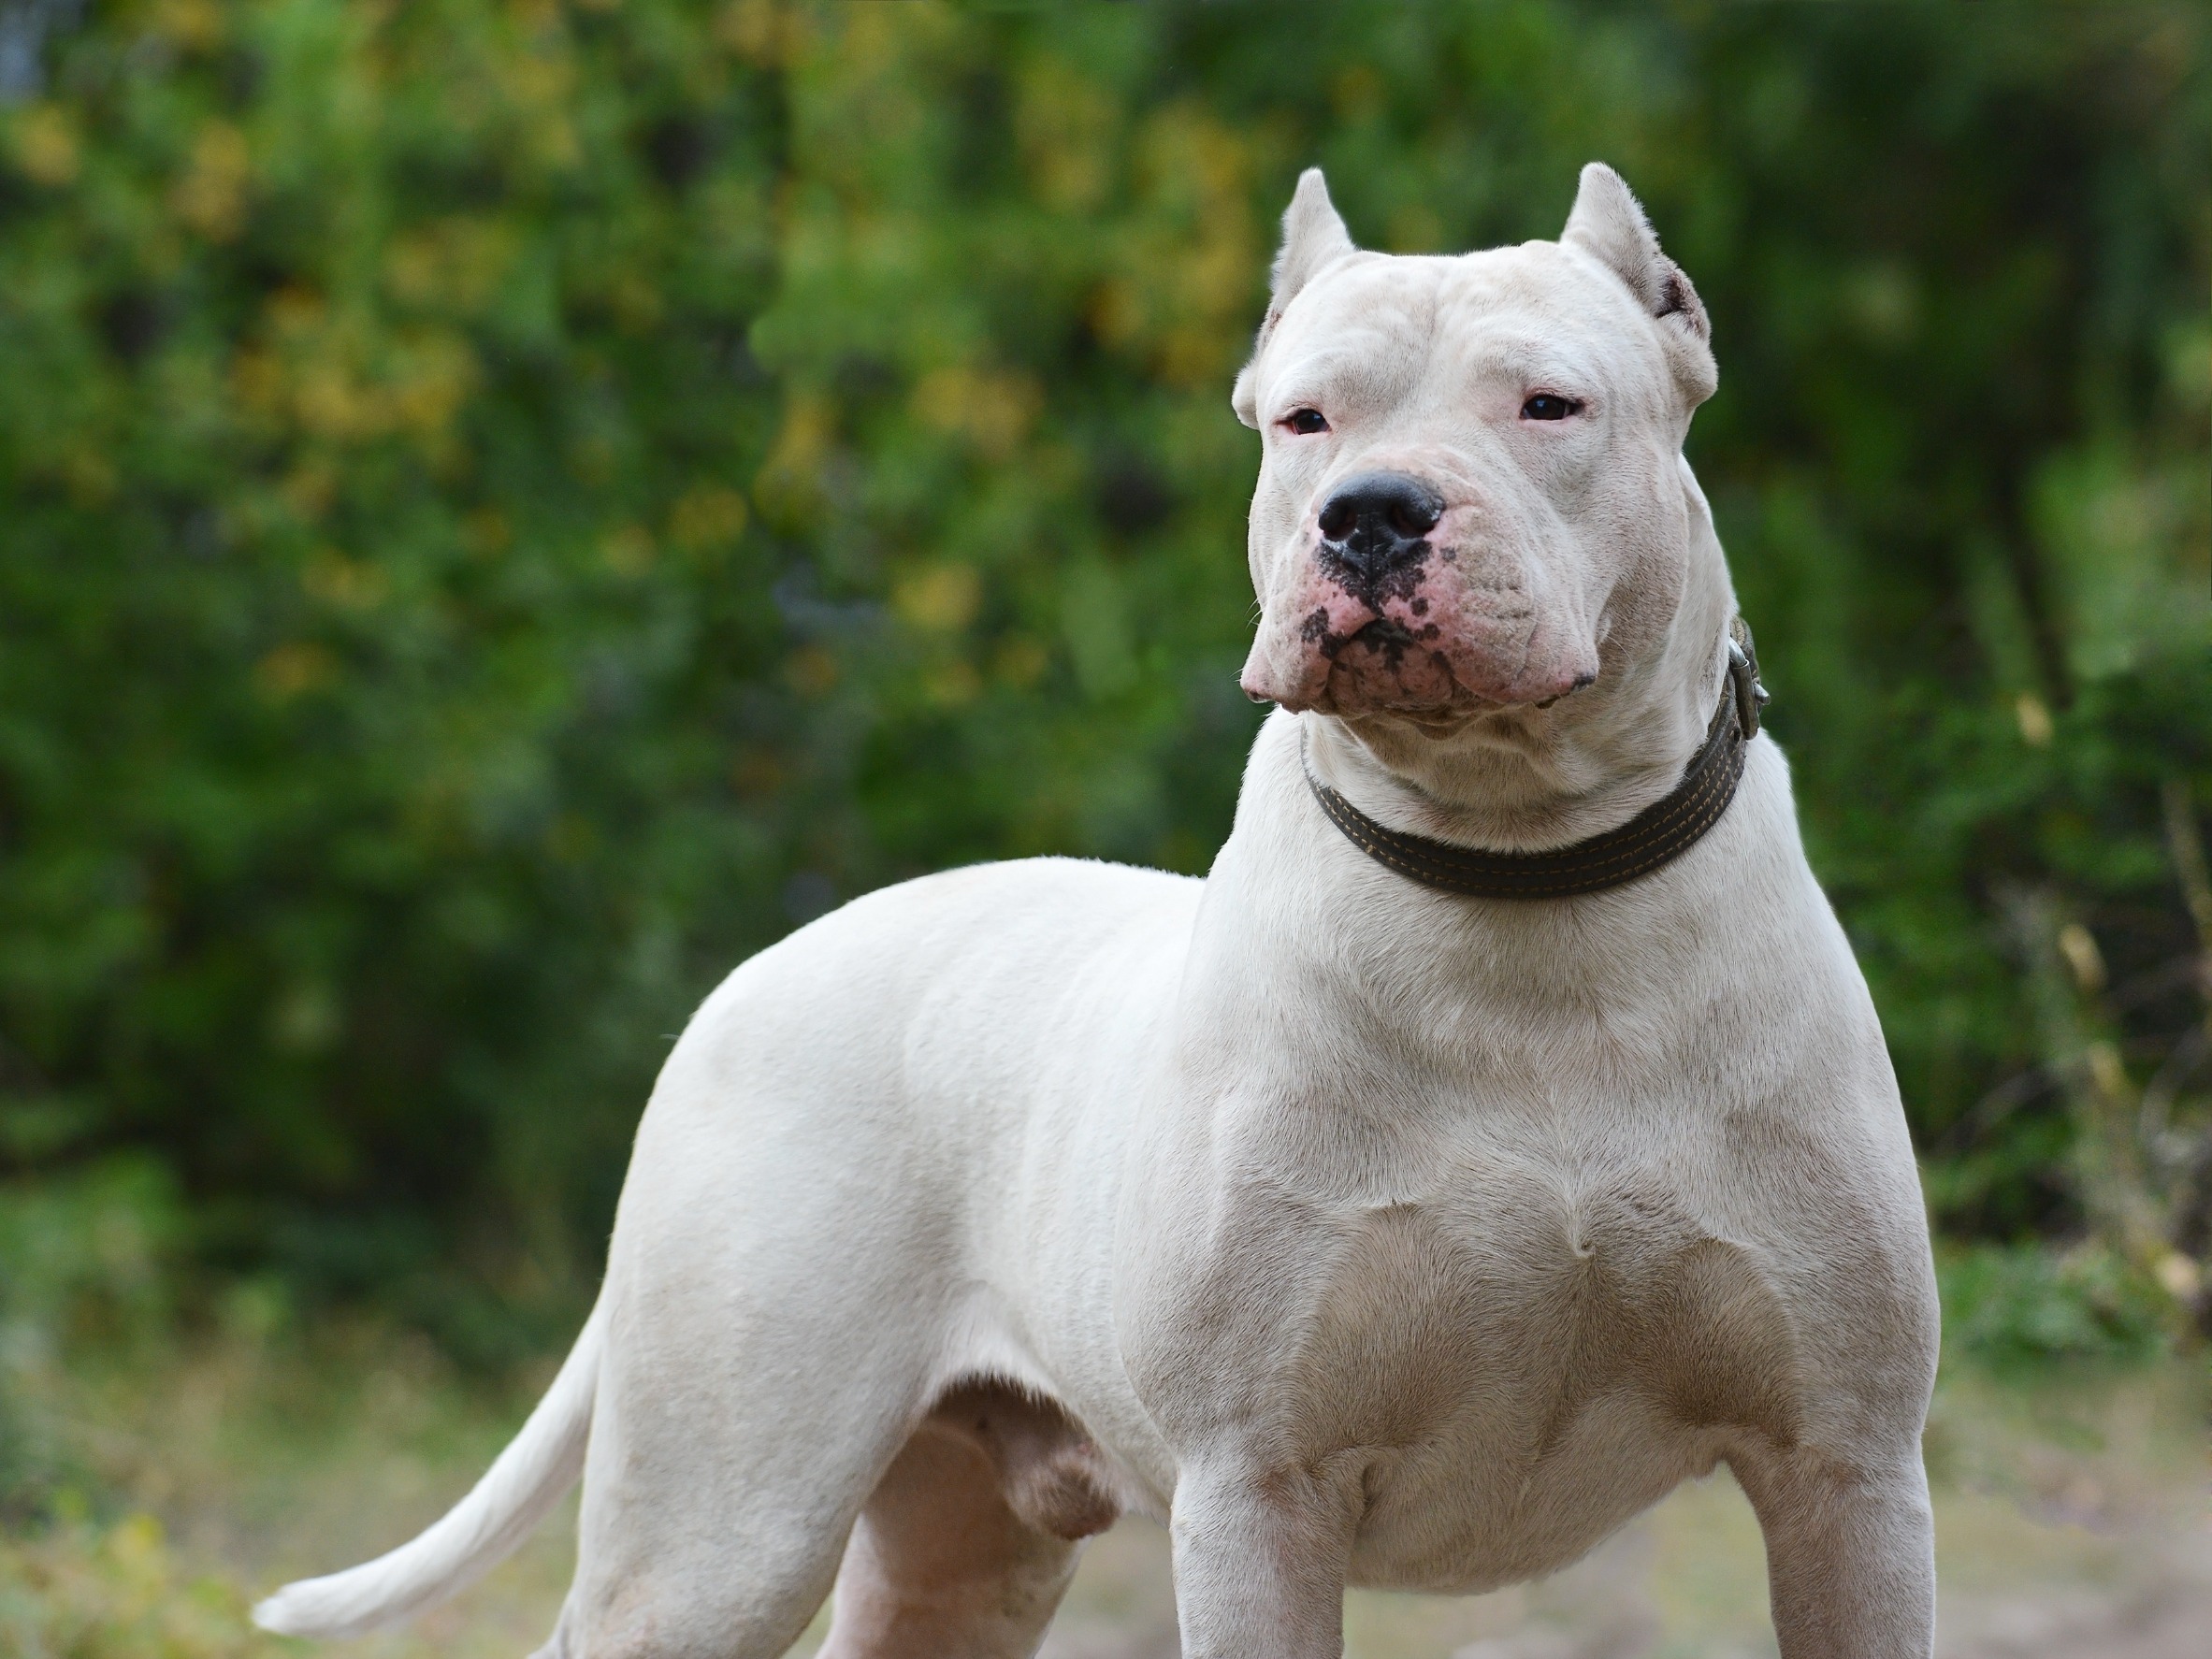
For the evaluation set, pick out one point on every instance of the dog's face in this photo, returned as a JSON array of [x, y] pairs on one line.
[[1470, 496]]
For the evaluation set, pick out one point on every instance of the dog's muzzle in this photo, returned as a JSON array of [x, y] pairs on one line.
[[1374, 530]]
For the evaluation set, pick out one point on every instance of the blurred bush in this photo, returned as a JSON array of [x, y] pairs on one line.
[[87, 1256], [2021, 1308], [509, 507], [77, 1590]]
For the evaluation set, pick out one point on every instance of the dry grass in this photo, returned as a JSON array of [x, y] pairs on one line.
[[2073, 1517]]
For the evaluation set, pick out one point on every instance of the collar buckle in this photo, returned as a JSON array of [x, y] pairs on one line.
[[1743, 678]]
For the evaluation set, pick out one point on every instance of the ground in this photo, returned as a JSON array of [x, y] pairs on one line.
[[2074, 1521]]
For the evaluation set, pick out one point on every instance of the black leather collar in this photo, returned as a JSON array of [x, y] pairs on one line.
[[1663, 830]]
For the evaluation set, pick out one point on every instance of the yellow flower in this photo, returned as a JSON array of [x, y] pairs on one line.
[[294, 669], [45, 146], [211, 195], [993, 410], [943, 599]]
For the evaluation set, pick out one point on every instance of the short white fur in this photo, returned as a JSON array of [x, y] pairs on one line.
[[1364, 1235]]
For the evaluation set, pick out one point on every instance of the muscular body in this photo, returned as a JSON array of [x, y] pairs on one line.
[[1363, 1234]]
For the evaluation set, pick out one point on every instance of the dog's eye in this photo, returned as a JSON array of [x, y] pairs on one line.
[[1545, 406], [1306, 422]]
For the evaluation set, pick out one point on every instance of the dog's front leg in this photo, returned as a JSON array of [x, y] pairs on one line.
[[1259, 1558], [1850, 1554]]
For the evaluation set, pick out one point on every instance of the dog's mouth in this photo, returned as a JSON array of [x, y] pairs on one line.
[[1392, 639], [1461, 639], [1384, 667]]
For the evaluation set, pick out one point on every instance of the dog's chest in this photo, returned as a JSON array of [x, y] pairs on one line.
[[1526, 1292], [1526, 1352]]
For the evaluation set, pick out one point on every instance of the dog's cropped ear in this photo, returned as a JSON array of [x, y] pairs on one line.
[[1313, 238], [1609, 224]]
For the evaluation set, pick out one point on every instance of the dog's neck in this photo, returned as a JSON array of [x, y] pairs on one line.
[[1528, 779]]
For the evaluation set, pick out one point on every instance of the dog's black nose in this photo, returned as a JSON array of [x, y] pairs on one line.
[[1374, 523]]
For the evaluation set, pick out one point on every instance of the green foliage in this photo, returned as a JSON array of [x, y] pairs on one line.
[[88, 1252], [86, 1255], [510, 507], [2025, 1307]]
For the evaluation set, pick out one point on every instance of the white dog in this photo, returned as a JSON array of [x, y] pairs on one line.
[[1498, 1136]]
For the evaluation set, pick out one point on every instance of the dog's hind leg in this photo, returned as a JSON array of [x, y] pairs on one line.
[[969, 1537], [711, 1525], [764, 1363]]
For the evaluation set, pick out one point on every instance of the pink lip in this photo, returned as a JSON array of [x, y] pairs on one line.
[[1439, 645]]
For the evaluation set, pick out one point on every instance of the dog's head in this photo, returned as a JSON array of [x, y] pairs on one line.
[[1470, 495]]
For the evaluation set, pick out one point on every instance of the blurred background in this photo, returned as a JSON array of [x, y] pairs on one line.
[[507, 507]]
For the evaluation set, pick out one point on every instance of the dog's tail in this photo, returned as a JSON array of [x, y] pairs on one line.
[[477, 1534]]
